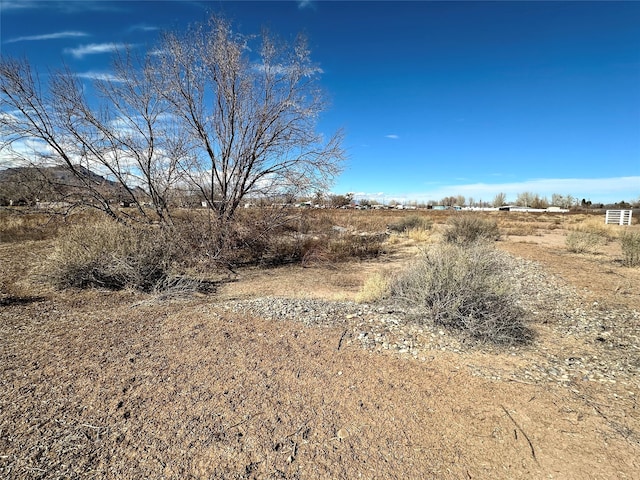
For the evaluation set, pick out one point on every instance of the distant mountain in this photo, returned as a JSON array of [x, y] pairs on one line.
[[27, 185]]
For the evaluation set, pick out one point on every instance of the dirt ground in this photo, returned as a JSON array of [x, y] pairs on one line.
[[99, 384]]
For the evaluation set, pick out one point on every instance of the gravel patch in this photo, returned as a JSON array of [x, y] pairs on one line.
[[609, 351]]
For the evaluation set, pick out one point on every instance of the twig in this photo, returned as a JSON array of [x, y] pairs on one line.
[[249, 417], [90, 426], [341, 338], [533, 452], [521, 381]]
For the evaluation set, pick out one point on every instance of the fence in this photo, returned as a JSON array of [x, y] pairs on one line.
[[618, 217]]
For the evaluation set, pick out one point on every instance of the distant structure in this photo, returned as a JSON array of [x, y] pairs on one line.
[[519, 208], [618, 217]]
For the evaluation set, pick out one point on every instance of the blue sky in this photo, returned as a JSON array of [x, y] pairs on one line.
[[436, 98]]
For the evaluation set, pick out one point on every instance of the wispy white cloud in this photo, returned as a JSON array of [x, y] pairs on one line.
[[7, 5], [96, 48], [392, 136], [104, 76], [48, 36], [143, 28], [306, 4], [25, 152], [65, 6]]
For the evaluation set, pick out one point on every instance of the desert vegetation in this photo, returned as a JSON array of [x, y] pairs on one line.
[[466, 229], [126, 345], [464, 288], [630, 248]]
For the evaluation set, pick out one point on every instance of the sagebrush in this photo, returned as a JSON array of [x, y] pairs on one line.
[[584, 241], [107, 254], [469, 228], [630, 242], [465, 288], [411, 222]]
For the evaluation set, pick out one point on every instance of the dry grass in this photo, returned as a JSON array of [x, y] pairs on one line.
[[411, 222], [18, 225], [597, 227], [110, 255], [419, 235], [519, 229], [375, 288]]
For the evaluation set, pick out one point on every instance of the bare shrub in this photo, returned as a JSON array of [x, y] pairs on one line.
[[109, 255], [251, 238], [176, 286], [340, 248], [464, 287], [411, 222], [630, 242], [197, 242], [584, 242], [465, 229]]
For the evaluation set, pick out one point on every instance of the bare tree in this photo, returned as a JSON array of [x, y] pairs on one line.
[[499, 200], [448, 201], [539, 202], [564, 201], [250, 114], [120, 139], [525, 199], [207, 111]]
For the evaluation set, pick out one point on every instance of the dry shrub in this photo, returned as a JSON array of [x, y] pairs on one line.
[[110, 255], [584, 242], [520, 229], [264, 236], [256, 236], [464, 229], [375, 288], [411, 222], [630, 242], [364, 220], [597, 227], [346, 247], [16, 226], [464, 288], [337, 248], [395, 239]]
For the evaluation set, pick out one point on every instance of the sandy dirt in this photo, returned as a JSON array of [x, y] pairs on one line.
[[123, 385]]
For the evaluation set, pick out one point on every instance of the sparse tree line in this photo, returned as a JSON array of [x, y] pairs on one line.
[[524, 199]]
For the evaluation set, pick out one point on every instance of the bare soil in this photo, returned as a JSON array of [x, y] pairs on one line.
[[99, 384], [599, 277]]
